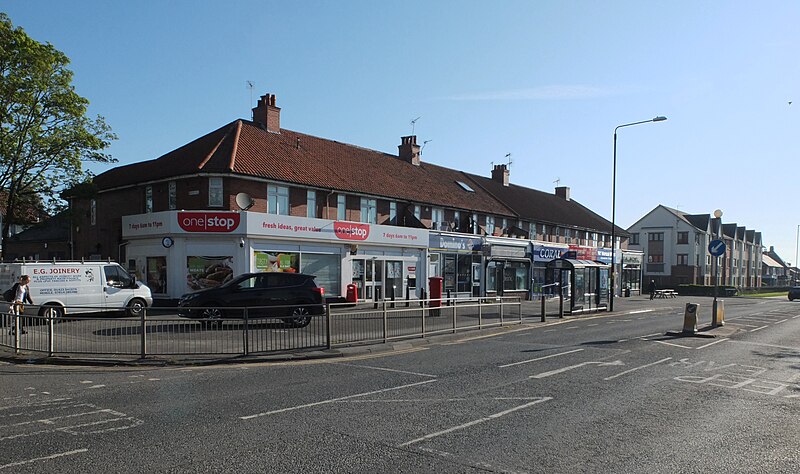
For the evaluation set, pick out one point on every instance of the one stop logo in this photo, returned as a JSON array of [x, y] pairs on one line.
[[208, 221], [351, 231]]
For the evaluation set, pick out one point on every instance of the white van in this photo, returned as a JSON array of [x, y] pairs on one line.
[[79, 287]]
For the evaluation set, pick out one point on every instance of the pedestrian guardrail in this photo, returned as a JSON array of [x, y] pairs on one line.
[[246, 330]]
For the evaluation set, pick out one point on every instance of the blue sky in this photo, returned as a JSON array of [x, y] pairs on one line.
[[547, 81]]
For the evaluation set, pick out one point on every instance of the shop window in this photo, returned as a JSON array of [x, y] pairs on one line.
[[215, 192], [327, 268], [369, 211], [277, 200], [156, 270], [173, 195]]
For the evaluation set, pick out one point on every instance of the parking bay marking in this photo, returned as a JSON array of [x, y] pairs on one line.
[[475, 422], [637, 368], [582, 364], [44, 458], [333, 400]]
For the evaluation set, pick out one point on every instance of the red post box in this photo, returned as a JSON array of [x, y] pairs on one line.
[[352, 293], [435, 284]]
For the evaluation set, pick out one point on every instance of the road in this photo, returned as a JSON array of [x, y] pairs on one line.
[[601, 393]]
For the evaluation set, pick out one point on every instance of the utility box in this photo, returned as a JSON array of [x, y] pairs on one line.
[[435, 284], [690, 318]]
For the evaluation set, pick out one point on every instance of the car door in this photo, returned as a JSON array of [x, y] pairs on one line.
[[245, 294], [116, 287]]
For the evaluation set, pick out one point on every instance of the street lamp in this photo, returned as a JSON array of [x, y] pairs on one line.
[[714, 315], [796, 247], [614, 207]]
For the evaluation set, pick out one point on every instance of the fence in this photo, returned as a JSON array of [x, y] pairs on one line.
[[246, 331]]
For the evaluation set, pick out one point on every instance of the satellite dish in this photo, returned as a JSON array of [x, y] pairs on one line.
[[244, 201]]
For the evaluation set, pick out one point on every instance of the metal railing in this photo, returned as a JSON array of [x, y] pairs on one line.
[[246, 330]]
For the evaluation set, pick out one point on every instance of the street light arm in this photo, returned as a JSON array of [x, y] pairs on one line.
[[660, 118]]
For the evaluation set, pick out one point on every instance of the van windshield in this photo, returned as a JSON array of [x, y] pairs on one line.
[[116, 276]]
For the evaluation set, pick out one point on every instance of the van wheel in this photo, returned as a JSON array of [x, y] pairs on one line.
[[211, 317], [53, 310], [136, 307], [300, 318]]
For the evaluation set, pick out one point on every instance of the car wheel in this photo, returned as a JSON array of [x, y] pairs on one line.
[[300, 317], [791, 298], [52, 310], [136, 307], [211, 317]]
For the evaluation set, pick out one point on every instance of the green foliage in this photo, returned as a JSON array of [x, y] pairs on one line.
[[45, 136]]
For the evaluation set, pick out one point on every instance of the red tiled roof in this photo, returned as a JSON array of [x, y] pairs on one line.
[[242, 148]]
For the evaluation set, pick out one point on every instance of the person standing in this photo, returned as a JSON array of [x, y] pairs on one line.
[[652, 289], [22, 296]]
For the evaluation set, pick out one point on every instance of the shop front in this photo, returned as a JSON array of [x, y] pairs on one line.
[[507, 267], [176, 252], [632, 272], [457, 259], [542, 255], [584, 283]]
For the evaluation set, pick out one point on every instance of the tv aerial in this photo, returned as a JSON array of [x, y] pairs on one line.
[[413, 123]]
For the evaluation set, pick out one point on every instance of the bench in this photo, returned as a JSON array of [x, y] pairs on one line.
[[666, 294]]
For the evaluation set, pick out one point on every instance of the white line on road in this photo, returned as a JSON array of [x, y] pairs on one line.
[[758, 329], [672, 344], [308, 405], [637, 368], [781, 321], [640, 311], [44, 458], [539, 358], [474, 422], [386, 369], [564, 369], [711, 343]]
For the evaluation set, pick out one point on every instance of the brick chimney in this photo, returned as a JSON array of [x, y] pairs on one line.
[[500, 174], [408, 150], [563, 192], [267, 115]]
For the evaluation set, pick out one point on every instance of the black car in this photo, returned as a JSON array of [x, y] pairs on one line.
[[794, 293], [291, 297]]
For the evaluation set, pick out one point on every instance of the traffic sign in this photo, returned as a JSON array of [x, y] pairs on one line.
[[716, 247]]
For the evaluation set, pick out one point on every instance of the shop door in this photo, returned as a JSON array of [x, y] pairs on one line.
[[368, 278]]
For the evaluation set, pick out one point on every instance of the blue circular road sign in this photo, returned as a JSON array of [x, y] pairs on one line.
[[716, 247]]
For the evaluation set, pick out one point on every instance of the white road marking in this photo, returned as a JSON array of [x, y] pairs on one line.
[[737, 323], [637, 368], [672, 344], [758, 329], [97, 386], [475, 422], [572, 327], [594, 324], [767, 345], [582, 364], [651, 335], [711, 343], [86, 381], [640, 311], [539, 358], [386, 369], [781, 321], [308, 405], [795, 317], [44, 458]]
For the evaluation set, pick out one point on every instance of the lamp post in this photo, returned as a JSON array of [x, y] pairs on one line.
[[714, 314], [796, 247], [614, 208]]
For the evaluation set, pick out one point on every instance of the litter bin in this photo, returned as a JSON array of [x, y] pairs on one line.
[[352, 293], [627, 292]]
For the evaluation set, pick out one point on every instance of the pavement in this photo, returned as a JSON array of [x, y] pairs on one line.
[[531, 311]]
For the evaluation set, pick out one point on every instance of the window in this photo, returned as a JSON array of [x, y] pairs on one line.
[[465, 186], [655, 236], [173, 195], [532, 230], [683, 237], [277, 200], [490, 225], [418, 212], [655, 259], [311, 203], [505, 226], [341, 207], [369, 211], [437, 216], [475, 228], [148, 199], [568, 236], [393, 212], [457, 219], [634, 239], [93, 211], [215, 192], [683, 259]]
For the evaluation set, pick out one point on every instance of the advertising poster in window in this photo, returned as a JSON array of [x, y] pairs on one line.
[[157, 274], [208, 272], [288, 262]]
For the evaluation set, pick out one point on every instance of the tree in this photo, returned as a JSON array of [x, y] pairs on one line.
[[45, 135]]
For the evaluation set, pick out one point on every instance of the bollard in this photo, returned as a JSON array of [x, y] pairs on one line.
[[543, 308], [720, 319], [690, 319]]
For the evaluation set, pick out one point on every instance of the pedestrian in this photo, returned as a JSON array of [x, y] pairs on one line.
[[652, 289], [22, 296]]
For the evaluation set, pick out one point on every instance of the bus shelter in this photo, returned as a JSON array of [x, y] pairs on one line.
[[584, 283]]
